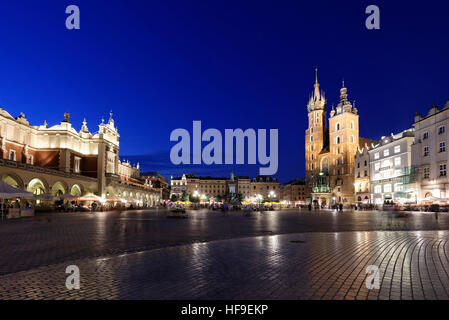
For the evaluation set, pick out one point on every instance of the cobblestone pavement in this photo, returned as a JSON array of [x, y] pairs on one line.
[[412, 265], [56, 238]]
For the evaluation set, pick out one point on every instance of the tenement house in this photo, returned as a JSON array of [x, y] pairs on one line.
[[430, 155], [392, 175]]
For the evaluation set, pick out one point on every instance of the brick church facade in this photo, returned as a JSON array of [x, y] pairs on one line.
[[331, 148]]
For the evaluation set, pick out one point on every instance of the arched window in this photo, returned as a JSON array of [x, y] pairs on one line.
[[352, 139], [337, 140], [352, 125], [337, 126]]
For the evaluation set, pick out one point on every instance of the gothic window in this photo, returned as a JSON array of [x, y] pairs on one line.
[[337, 126], [337, 140], [352, 125]]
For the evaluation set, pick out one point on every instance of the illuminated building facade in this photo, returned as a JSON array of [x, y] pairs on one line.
[[294, 192], [393, 178], [59, 159], [430, 155], [265, 188], [362, 176]]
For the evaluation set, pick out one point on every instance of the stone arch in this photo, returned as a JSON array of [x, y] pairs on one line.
[[13, 180], [59, 188], [76, 190], [37, 186], [324, 165], [111, 192]]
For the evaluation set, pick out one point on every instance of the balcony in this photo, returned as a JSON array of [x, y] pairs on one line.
[[43, 170]]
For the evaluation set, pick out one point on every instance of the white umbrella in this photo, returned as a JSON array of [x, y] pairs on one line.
[[91, 197]]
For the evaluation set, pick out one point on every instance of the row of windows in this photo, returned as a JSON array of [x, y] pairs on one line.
[[338, 140], [365, 164], [442, 171], [442, 148], [387, 164], [365, 174], [386, 152], [13, 157], [338, 127], [441, 130], [398, 187]]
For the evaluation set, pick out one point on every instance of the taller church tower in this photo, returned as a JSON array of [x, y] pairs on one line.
[[316, 134]]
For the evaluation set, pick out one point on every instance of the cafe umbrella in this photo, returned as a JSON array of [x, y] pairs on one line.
[[9, 192]]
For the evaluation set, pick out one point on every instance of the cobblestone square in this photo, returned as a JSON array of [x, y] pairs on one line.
[[272, 255]]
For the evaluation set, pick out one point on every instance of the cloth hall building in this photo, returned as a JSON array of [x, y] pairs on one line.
[[61, 160]]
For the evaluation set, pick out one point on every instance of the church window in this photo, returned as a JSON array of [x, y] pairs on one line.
[[352, 125], [337, 127]]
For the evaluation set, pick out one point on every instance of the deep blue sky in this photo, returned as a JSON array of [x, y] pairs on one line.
[[250, 64]]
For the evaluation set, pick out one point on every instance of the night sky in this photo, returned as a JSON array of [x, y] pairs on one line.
[[159, 65]]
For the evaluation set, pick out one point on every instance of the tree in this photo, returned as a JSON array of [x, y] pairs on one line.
[[185, 196], [174, 198]]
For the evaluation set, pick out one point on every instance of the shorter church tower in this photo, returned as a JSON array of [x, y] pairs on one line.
[[343, 145]]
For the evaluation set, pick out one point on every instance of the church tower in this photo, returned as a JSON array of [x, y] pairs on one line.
[[316, 134], [343, 144]]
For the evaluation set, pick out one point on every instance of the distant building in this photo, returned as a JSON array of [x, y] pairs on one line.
[[265, 188], [362, 175], [294, 192], [262, 187], [392, 175], [244, 186], [159, 182], [430, 154], [204, 187]]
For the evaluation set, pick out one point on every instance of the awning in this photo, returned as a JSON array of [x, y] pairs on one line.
[[9, 192]]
